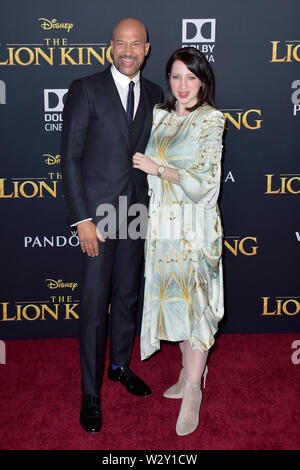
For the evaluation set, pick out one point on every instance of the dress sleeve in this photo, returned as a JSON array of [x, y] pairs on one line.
[[201, 180]]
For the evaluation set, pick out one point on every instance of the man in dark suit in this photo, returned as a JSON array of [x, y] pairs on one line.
[[107, 118]]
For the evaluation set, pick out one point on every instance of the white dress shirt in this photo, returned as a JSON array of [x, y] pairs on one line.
[[122, 84]]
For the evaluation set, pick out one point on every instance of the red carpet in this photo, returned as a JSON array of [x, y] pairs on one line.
[[251, 400]]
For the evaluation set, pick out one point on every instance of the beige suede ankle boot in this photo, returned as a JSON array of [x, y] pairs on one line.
[[188, 417], [176, 391]]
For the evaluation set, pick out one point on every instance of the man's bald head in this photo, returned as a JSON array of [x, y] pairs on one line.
[[130, 23], [129, 46]]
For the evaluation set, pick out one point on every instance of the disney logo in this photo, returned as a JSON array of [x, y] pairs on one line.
[[61, 285], [54, 24], [51, 160]]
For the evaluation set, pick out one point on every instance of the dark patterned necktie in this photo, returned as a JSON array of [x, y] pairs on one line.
[[130, 103]]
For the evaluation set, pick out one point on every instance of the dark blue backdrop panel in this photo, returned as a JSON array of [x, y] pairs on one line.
[[254, 49]]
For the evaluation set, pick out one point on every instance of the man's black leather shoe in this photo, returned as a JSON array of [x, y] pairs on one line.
[[133, 384], [90, 414]]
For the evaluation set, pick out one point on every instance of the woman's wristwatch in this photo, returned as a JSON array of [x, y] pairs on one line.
[[160, 171]]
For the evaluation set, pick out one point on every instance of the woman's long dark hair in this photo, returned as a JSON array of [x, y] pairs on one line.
[[197, 63]]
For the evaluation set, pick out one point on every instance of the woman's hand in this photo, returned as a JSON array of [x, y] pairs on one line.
[[144, 163]]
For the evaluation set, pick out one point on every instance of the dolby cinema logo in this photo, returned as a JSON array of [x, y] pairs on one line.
[[54, 99], [201, 34]]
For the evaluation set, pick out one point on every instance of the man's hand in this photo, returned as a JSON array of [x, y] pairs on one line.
[[89, 235]]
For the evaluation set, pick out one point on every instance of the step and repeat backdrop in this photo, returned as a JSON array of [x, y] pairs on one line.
[[254, 49]]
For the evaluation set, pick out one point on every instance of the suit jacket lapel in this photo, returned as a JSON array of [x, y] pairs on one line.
[[148, 112], [118, 111]]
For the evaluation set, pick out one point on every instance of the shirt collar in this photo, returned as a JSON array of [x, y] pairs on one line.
[[123, 80]]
